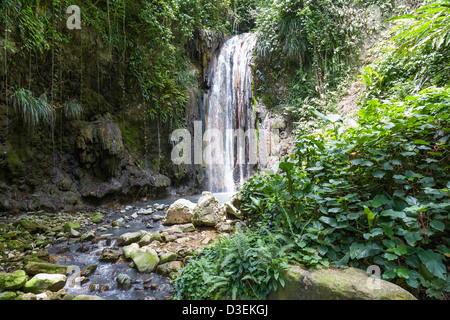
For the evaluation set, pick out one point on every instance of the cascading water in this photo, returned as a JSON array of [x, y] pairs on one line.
[[228, 109]]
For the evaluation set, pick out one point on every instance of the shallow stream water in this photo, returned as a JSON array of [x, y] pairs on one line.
[[103, 282]]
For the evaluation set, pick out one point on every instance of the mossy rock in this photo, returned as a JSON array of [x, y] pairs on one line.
[[13, 281], [33, 268], [335, 284], [42, 282], [15, 245], [71, 225], [97, 217], [30, 225], [8, 295]]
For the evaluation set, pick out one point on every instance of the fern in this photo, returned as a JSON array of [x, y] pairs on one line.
[[73, 110], [33, 110]]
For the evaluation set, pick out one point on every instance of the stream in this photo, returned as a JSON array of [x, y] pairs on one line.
[[102, 283]]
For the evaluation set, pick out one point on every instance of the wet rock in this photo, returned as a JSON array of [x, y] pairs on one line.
[[88, 236], [110, 255], [145, 259], [89, 270], [43, 281], [83, 248], [101, 238], [13, 281], [179, 212], [124, 281]]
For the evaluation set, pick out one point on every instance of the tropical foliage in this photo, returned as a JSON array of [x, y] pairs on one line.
[[375, 193]]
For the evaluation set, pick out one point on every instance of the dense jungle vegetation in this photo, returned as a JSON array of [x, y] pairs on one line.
[[374, 193]]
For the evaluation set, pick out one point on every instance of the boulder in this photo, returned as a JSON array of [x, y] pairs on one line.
[[335, 284], [168, 257], [44, 281], [110, 255], [30, 225], [89, 270], [169, 268], [97, 217], [208, 211], [12, 281], [130, 249], [71, 225], [145, 259], [232, 210], [33, 268], [88, 236], [124, 281], [179, 212], [130, 237], [8, 295]]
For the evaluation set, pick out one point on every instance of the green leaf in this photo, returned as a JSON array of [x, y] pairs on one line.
[[322, 250], [403, 273], [370, 216], [400, 250], [356, 249], [379, 174], [393, 214], [367, 163], [389, 256], [433, 263], [438, 225], [412, 237], [387, 166], [378, 201]]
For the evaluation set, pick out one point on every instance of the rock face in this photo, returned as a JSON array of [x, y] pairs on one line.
[[335, 284], [179, 212], [43, 281], [208, 211]]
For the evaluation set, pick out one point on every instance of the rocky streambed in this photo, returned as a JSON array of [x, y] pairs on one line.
[[126, 252]]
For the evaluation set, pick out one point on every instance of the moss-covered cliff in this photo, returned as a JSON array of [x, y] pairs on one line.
[[86, 113]]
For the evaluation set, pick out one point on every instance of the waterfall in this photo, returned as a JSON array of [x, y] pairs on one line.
[[228, 109]]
